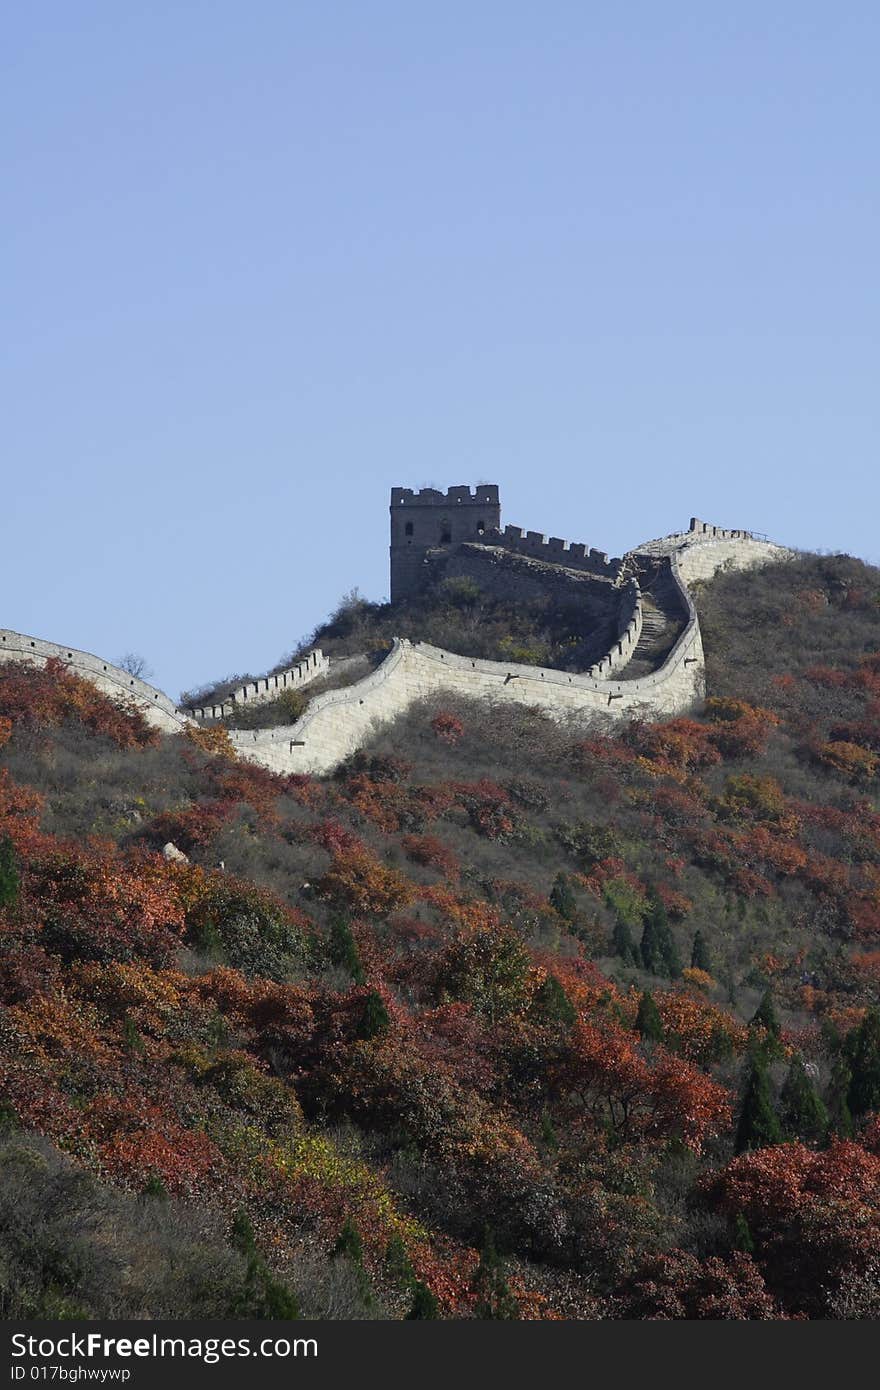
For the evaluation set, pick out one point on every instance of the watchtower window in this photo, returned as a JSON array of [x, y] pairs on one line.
[[408, 528], [445, 537], [481, 527]]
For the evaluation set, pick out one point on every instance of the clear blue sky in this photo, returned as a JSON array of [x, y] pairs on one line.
[[262, 261]]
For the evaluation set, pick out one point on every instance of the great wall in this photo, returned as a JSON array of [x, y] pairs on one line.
[[653, 666]]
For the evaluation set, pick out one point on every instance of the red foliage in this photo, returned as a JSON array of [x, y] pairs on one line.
[[447, 726], [678, 1285], [360, 883], [604, 1076], [44, 697], [431, 853]]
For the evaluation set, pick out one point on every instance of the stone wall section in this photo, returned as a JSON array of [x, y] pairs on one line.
[[554, 550], [112, 680], [265, 688]]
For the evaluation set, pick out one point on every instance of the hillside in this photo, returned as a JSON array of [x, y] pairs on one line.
[[500, 1020]]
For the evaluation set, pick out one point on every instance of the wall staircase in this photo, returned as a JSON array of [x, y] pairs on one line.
[[663, 616]]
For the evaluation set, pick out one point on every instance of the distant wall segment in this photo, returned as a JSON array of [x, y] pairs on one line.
[[265, 688]]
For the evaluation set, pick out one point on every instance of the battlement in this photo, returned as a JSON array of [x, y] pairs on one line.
[[485, 494], [553, 550], [705, 528], [265, 688]]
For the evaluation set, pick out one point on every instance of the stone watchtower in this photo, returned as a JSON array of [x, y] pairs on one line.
[[421, 521]]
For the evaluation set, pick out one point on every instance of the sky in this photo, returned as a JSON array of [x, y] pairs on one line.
[[260, 263]]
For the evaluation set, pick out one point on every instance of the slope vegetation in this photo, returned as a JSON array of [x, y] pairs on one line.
[[497, 1022]]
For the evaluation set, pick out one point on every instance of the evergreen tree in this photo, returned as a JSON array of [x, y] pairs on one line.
[[9, 879], [242, 1237], [350, 1247], [155, 1187], [765, 1016], [701, 956], [648, 1020], [836, 1103], [264, 1296], [131, 1038], [551, 1003], [863, 1055], [758, 1124], [742, 1236], [343, 949], [658, 949], [376, 1020], [548, 1133], [349, 1243], [494, 1299], [649, 948], [424, 1304], [398, 1262], [562, 899], [622, 943], [801, 1110]]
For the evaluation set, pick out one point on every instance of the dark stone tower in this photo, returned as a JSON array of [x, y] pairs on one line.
[[420, 521]]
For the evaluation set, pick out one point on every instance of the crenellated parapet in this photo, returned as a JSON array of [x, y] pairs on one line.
[[553, 550], [484, 494], [264, 688]]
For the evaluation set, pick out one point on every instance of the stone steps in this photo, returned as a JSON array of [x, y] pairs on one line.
[[663, 618]]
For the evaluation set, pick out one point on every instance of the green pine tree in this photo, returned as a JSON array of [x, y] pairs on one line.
[[622, 943], [241, 1237], [155, 1187], [551, 1003], [349, 1243], [376, 1020], [264, 1296], [648, 1021], [801, 1110], [350, 1247], [562, 899], [701, 956], [343, 949], [840, 1120], [658, 949], [9, 878], [424, 1304], [548, 1133], [765, 1016], [132, 1041], [758, 1124], [494, 1299], [398, 1262], [742, 1236], [863, 1054]]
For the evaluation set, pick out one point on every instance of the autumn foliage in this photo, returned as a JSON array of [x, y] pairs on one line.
[[489, 976]]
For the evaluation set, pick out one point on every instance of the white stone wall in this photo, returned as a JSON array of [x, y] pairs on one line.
[[112, 680]]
